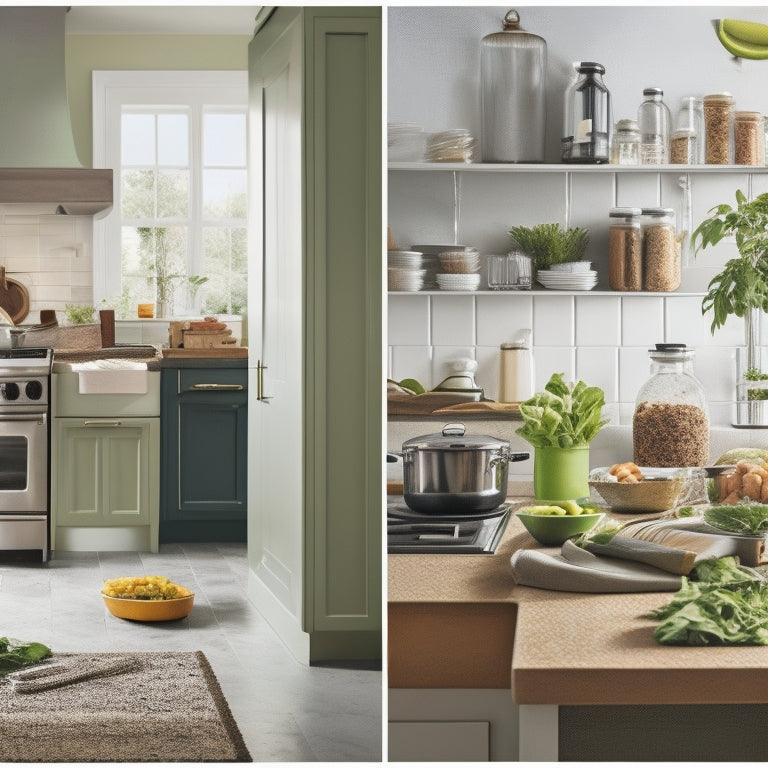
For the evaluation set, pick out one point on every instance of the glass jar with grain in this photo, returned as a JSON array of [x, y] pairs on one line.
[[718, 122], [625, 250], [748, 138], [682, 148], [661, 250], [670, 426]]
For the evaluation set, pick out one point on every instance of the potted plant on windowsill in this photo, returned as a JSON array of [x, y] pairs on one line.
[[740, 289]]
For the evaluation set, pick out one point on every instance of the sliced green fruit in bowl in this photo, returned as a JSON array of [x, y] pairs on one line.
[[552, 523]]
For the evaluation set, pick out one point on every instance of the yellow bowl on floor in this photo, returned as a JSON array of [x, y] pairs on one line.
[[149, 610]]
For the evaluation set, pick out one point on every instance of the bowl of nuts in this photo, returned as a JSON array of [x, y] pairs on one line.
[[625, 487]]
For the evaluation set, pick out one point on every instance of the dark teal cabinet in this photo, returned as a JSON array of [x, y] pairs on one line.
[[203, 474]]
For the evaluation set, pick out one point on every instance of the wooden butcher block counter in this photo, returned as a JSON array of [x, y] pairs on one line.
[[459, 621]]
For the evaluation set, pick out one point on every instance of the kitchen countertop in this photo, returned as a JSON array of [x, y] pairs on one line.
[[569, 648]]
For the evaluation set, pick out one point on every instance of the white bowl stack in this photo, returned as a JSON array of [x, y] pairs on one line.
[[459, 270], [431, 260], [404, 271], [567, 281]]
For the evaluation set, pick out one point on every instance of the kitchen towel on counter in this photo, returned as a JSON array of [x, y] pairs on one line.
[[576, 570]]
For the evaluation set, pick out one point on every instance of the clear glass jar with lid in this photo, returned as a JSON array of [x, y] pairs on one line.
[[670, 426], [690, 119], [718, 128], [748, 138], [625, 250], [587, 132], [625, 143], [655, 123], [661, 250]]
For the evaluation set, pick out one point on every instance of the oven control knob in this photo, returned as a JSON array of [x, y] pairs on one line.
[[9, 390], [34, 390]]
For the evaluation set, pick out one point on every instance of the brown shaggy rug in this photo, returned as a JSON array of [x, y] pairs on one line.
[[132, 707]]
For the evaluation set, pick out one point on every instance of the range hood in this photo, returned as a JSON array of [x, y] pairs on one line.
[[39, 168]]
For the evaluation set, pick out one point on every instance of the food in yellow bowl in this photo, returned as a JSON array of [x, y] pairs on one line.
[[146, 598]]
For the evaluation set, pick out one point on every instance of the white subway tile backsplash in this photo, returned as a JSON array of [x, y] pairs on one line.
[[634, 370], [501, 317], [642, 320], [553, 321], [549, 360], [408, 320], [443, 359], [715, 368], [431, 221], [598, 321], [412, 363], [637, 190], [488, 370], [684, 322], [453, 320], [598, 367]]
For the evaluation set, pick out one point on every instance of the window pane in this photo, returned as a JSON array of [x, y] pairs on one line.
[[224, 194], [138, 139], [137, 194], [224, 139], [172, 194], [173, 140]]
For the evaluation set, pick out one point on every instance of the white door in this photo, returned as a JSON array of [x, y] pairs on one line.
[[275, 301]]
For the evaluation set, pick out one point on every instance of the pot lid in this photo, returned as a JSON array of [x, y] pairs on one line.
[[453, 437]]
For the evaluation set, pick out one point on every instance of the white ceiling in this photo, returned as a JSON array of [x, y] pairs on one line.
[[161, 20]]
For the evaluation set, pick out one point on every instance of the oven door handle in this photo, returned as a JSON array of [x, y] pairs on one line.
[[102, 423], [39, 418]]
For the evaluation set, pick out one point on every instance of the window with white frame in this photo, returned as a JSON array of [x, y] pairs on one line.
[[176, 235]]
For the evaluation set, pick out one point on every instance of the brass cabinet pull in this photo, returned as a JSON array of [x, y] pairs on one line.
[[260, 368]]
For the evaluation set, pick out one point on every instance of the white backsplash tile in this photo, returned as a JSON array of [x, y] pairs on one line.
[[598, 321], [408, 320], [443, 359], [637, 190], [453, 320], [642, 320], [634, 370], [488, 370], [412, 363], [549, 360], [553, 321], [715, 368], [501, 317], [598, 367]]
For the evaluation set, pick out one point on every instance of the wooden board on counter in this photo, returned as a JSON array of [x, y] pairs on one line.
[[446, 404], [221, 352]]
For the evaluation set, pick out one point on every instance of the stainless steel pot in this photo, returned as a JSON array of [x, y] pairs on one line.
[[454, 473]]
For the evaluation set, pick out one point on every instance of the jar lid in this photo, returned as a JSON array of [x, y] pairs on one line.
[[671, 352], [653, 92], [624, 213], [684, 133], [657, 212], [748, 116], [590, 66], [627, 125], [723, 98]]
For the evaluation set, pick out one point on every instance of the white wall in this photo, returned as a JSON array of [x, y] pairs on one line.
[[602, 338]]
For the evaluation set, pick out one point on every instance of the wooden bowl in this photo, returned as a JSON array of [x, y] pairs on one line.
[[149, 610]]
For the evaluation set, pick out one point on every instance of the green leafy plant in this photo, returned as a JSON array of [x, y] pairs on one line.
[[549, 244], [78, 314], [743, 283], [564, 415]]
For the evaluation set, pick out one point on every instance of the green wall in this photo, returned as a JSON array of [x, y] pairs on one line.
[[85, 53]]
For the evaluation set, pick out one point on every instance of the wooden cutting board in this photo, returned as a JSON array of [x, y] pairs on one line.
[[14, 297]]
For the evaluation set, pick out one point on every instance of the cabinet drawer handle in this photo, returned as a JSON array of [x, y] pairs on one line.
[[101, 423], [237, 387]]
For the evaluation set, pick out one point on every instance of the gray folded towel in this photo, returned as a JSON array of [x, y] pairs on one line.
[[576, 570], [58, 674], [670, 559]]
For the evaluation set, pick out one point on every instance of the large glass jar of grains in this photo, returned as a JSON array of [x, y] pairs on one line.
[[670, 427], [748, 138], [625, 250], [718, 121], [661, 250]]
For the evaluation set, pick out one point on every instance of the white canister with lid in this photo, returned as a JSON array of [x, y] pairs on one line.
[[516, 369]]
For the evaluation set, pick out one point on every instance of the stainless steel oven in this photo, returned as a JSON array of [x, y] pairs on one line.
[[24, 449]]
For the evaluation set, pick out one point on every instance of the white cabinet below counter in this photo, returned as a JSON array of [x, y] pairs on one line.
[[105, 466]]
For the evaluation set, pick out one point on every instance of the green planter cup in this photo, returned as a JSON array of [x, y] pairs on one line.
[[560, 473]]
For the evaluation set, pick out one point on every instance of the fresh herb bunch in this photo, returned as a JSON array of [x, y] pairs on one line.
[[549, 244], [77, 314], [743, 283], [563, 415], [747, 519]]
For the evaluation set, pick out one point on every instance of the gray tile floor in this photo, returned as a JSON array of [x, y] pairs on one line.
[[286, 711]]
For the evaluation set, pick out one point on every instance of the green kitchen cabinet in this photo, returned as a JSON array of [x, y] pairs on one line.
[[203, 424]]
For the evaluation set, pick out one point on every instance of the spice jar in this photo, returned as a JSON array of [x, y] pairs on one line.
[[661, 252], [670, 426], [718, 119], [625, 143], [625, 251], [748, 138]]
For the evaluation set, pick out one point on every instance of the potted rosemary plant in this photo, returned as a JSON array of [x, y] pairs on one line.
[[741, 288], [549, 244]]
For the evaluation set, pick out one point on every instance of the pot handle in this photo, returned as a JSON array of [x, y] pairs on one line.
[[507, 457], [393, 457], [454, 430]]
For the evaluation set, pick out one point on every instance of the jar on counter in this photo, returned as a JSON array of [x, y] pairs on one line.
[[625, 250], [718, 122], [661, 250], [516, 369], [625, 143], [748, 138], [670, 426], [655, 123]]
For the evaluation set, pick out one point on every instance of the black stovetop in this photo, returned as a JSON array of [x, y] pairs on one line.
[[414, 532]]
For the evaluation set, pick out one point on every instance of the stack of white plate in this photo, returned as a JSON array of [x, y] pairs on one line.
[[458, 282], [430, 261], [450, 146], [459, 262], [567, 281], [405, 272], [406, 142]]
